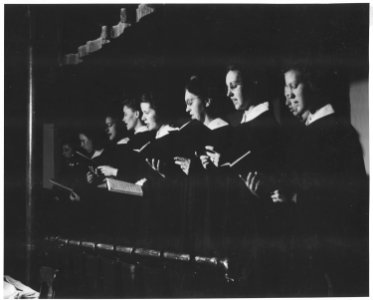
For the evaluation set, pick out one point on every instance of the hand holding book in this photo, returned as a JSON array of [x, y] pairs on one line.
[[210, 158], [73, 196], [252, 182], [108, 171], [155, 164], [258, 186], [184, 163]]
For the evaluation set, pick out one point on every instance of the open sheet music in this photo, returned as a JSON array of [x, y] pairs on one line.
[[236, 161], [60, 185], [123, 187], [142, 148], [89, 160]]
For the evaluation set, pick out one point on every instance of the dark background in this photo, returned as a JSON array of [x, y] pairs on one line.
[[159, 53]]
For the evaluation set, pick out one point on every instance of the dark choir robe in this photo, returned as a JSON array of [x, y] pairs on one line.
[[140, 139], [201, 199], [72, 173], [124, 158], [119, 213], [249, 223], [332, 207], [56, 216], [169, 195]]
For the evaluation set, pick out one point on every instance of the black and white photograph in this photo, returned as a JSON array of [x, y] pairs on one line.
[[192, 150]]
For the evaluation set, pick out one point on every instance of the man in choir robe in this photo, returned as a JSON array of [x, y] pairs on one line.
[[330, 186]]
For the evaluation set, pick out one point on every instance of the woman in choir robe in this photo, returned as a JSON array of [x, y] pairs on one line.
[[294, 87], [248, 216], [153, 115], [132, 119], [116, 137], [160, 208], [71, 173], [123, 164], [330, 187], [72, 170], [258, 130], [200, 193], [92, 147], [90, 143], [201, 104], [114, 129], [293, 91]]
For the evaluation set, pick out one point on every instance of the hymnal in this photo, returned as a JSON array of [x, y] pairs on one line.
[[142, 148], [64, 187], [90, 161], [191, 137], [236, 161], [124, 187]]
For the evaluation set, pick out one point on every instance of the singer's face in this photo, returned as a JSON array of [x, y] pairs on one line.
[[194, 106], [233, 81], [295, 94], [67, 151], [130, 117], [86, 143], [149, 116], [111, 128]]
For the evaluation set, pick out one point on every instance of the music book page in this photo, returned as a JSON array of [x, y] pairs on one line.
[[60, 185], [235, 162], [123, 187]]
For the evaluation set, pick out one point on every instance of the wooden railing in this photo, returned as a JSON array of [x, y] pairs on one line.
[[95, 269]]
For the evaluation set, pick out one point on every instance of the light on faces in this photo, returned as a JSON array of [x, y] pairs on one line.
[[149, 116], [67, 151], [233, 81], [111, 129], [130, 117], [86, 143], [195, 106], [294, 91]]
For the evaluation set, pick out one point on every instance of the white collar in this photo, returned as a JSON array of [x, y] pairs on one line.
[[140, 129], [216, 123], [322, 112], [254, 111], [97, 153], [164, 130], [123, 141]]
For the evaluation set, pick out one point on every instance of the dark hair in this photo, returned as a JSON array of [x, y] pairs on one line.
[[316, 79], [149, 97], [116, 116], [204, 89], [254, 81], [69, 140], [96, 138], [132, 103], [198, 85], [156, 103]]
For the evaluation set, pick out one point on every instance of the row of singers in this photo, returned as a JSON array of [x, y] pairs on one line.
[[316, 167]]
